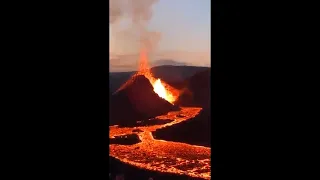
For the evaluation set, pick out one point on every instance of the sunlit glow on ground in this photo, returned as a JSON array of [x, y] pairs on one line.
[[161, 155]]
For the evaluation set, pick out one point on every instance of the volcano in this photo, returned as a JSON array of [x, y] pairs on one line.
[[136, 100]]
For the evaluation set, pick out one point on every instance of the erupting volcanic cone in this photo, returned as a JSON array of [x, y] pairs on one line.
[[136, 101]]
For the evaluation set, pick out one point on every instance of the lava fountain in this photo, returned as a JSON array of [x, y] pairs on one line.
[[161, 88]]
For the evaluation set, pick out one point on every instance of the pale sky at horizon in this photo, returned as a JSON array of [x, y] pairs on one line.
[[185, 35]]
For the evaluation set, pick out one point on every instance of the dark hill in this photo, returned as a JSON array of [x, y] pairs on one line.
[[116, 79], [196, 90], [137, 101], [170, 73], [193, 131]]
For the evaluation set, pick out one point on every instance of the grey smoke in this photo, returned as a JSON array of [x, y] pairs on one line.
[[139, 12]]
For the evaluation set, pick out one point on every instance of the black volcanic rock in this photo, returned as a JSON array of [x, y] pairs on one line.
[[199, 127], [196, 91], [128, 139], [136, 101]]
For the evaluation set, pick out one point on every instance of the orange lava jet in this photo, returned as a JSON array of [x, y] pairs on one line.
[[159, 87], [162, 92]]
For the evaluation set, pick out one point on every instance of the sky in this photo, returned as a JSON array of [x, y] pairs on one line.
[[184, 26]]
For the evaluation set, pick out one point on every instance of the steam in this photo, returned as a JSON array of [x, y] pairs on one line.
[[139, 13]]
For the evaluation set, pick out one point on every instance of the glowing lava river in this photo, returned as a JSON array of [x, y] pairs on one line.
[[160, 155]]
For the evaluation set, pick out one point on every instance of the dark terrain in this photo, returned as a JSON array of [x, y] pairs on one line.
[[194, 131], [176, 73], [197, 130], [116, 79], [154, 121], [167, 73], [195, 90], [148, 122], [128, 139]]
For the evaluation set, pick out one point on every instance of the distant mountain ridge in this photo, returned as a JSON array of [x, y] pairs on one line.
[[167, 73], [170, 62], [198, 90]]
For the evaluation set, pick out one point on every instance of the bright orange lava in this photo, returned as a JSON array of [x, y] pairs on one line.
[[159, 87], [162, 92]]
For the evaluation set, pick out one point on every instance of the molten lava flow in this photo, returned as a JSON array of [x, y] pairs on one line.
[[160, 155], [157, 85]]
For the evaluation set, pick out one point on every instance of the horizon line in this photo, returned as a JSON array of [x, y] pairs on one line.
[[160, 66]]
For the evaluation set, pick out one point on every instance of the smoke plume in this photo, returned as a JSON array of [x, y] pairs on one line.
[[139, 13]]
